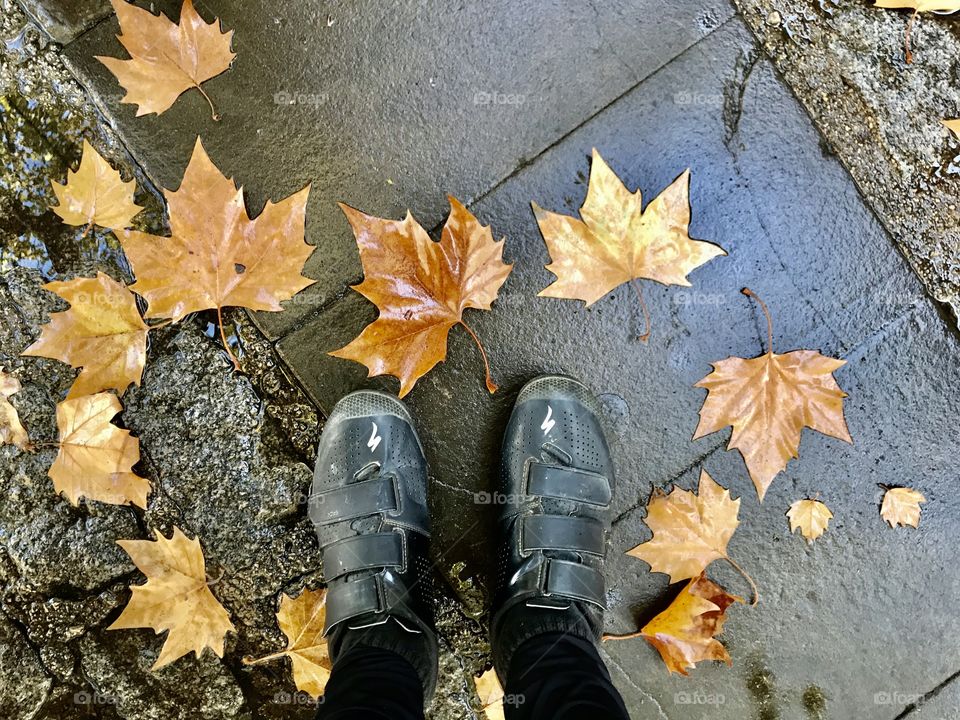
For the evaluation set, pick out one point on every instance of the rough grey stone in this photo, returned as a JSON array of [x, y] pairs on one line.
[[64, 20], [23, 683]]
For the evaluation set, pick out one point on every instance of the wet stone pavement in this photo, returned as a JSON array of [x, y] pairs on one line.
[[389, 106]]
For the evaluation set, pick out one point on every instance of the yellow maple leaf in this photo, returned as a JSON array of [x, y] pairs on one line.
[[102, 333], [617, 241], [769, 400], [12, 431], [96, 458], [167, 59], [953, 126], [95, 194], [302, 619], [176, 597], [490, 693], [810, 516], [901, 506], [684, 633]]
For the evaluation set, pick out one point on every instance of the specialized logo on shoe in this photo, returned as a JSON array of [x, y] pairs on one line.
[[548, 421], [374, 440]]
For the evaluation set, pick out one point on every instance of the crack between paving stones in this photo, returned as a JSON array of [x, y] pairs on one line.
[[733, 110], [909, 709], [609, 659], [454, 488], [697, 461]]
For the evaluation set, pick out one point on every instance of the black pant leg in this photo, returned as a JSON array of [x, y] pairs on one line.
[[556, 676], [371, 682]]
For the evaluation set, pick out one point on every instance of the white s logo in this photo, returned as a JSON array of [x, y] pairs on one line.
[[374, 440], [548, 421]]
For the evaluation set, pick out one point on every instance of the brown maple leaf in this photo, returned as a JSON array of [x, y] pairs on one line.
[[167, 59], [690, 531], [901, 506], [617, 241], [95, 194], [491, 694], [175, 598], [811, 516], [102, 333], [684, 633], [769, 400], [421, 288], [96, 458], [12, 431], [301, 619], [918, 6], [216, 255]]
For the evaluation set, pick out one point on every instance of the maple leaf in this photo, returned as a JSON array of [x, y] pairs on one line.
[[490, 693], [102, 333], [617, 241], [690, 531], [684, 633], [918, 6], [811, 516], [301, 619], [175, 598], [769, 400], [216, 255], [167, 59], [96, 458], [95, 194], [953, 126], [421, 288], [901, 506], [12, 431]]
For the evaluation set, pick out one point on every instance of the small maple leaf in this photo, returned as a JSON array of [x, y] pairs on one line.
[[102, 333], [769, 400], [901, 506], [918, 6], [684, 633], [302, 619], [690, 531], [953, 126], [490, 693], [96, 458], [12, 431], [95, 194], [811, 516], [175, 598], [217, 256], [421, 288], [167, 59], [617, 241]]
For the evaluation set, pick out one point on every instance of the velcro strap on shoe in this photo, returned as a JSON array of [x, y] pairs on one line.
[[566, 483], [361, 499], [574, 581], [351, 599], [363, 552], [559, 532]]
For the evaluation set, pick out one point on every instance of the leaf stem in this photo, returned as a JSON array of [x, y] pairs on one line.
[[750, 293], [906, 38], [643, 306], [625, 636], [213, 111], [86, 230], [491, 385], [223, 337], [746, 575], [265, 659]]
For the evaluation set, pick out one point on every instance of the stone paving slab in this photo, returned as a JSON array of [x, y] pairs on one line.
[[64, 20], [393, 104]]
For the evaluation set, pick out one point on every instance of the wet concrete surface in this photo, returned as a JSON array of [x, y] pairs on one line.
[[64, 20], [857, 625]]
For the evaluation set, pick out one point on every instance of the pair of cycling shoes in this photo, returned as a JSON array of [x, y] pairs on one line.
[[369, 506]]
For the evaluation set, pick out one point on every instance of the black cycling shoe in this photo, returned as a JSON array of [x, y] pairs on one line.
[[369, 506], [556, 484]]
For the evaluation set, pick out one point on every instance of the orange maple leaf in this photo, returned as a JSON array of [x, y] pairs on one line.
[[167, 59], [684, 633], [217, 256], [421, 288], [618, 241], [176, 597], [769, 400], [102, 333], [11, 429]]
